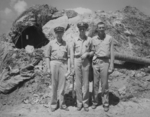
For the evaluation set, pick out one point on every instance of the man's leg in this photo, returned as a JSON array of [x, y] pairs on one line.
[[85, 72], [78, 81], [54, 77], [91, 72], [61, 86], [104, 83], [96, 83]]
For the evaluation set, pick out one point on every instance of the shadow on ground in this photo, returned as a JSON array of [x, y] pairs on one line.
[[70, 99], [113, 99]]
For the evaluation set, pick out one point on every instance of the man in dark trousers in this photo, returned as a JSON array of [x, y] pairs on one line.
[[57, 62], [102, 46]]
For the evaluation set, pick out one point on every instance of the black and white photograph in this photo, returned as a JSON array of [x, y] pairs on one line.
[[74, 58]]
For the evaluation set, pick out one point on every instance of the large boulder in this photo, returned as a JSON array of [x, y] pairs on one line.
[[48, 27], [81, 10], [71, 13]]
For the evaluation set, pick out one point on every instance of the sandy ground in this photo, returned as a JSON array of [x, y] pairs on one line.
[[133, 108], [129, 97]]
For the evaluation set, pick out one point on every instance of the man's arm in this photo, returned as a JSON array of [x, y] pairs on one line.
[[91, 52], [68, 60], [112, 55], [72, 52], [48, 53]]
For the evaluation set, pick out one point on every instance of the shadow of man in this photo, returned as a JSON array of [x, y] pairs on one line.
[[113, 99]]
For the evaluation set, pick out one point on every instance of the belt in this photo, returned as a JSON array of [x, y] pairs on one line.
[[61, 60], [103, 57], [78, 56]]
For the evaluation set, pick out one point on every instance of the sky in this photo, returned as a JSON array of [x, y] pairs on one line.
[[11, 9]]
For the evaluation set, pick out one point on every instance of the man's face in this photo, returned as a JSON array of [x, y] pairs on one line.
[[59, 34], [82, 30], [101, 28]]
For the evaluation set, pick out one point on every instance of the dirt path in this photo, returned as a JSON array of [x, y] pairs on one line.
[[132, 108]]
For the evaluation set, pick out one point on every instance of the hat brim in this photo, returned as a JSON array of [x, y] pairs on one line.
[[58, 31]]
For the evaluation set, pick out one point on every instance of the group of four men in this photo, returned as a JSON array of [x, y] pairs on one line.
[[84, 52]]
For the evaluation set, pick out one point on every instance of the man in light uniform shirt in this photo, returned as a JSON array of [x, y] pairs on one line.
[[57, 60], [82, 49], [102, 46]]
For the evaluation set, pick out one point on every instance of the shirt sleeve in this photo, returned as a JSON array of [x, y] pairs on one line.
[[68, 50], [48, 50], [92, 48], [72, 45], [90, 43], [110, 41]]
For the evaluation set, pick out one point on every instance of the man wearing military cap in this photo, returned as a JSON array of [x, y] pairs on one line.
[[58, 65], [82, 52]]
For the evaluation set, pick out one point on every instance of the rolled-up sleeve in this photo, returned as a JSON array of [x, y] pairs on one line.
[[92, 47], [48, 50]]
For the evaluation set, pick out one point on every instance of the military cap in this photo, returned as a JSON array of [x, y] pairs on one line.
[[82, 25], [59, 29]]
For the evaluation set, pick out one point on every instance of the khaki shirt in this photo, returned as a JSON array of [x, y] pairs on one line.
[[101, 47], [58, 51], [81, 46]]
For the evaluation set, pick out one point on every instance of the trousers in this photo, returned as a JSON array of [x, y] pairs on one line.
[[82, 79], [100, 70], [58, 70]]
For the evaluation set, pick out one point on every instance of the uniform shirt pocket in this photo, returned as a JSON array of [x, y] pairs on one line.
[[87, 47], [63, 52], [96, 45], [77, 48], [54, 49]]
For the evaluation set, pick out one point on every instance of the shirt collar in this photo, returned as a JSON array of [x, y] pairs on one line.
[[81, 39], [100, 38], [59, 42], [96, 37]]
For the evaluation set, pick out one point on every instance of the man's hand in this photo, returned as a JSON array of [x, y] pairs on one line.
[[84, 56], [94, 58], [111, 69], [67, 74], [49, 71], [72, 72]]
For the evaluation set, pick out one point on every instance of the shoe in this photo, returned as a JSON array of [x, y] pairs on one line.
[[53, 109], [79, 108], [94, 106], [64, 108], [86, 109], [106, 107]]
